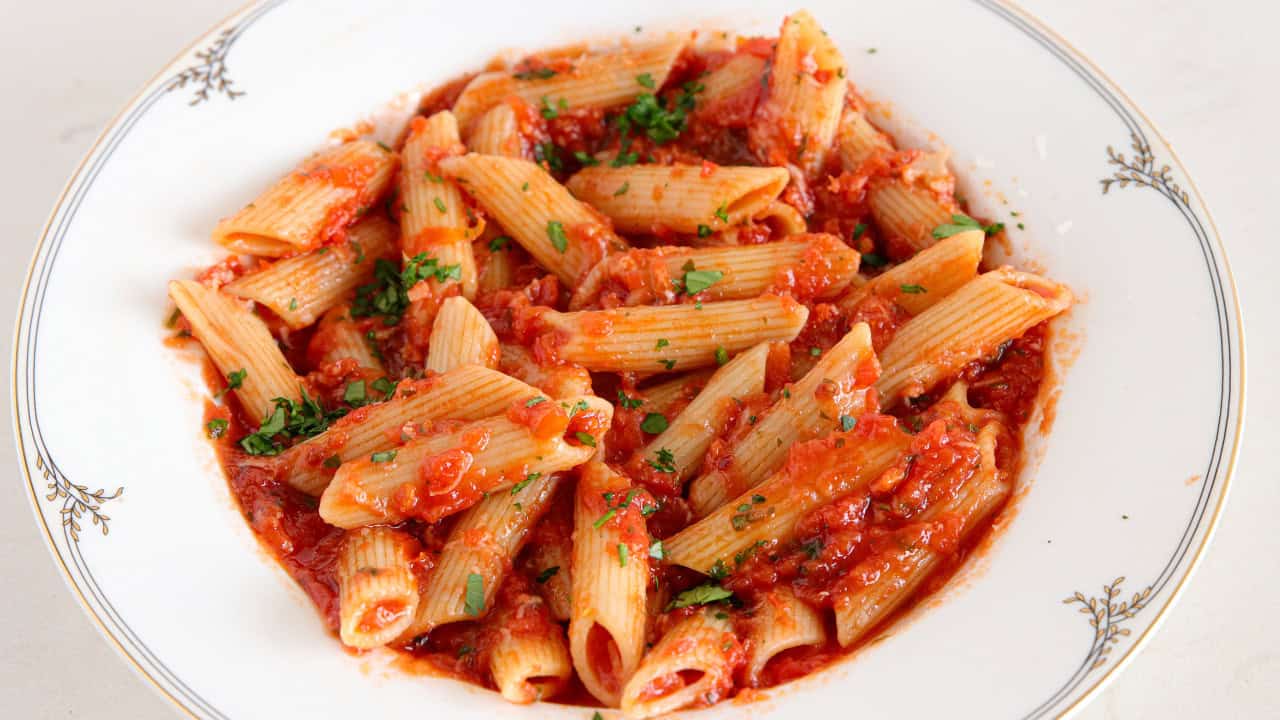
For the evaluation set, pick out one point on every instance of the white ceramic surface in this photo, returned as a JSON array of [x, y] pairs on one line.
[[1122, 441]]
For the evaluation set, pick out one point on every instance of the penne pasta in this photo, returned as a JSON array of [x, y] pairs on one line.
[[816, 266], [730, 91], [692, 664], [966, 325], [301, 288], [796, 123], [558, 381], [435, 476], [857, 140], [497, 132], [337, 336], [564, 235], [461, 336], [929, 276], [529, 667], [481, 545], [377, 589], [435, 219], [660, 397], [681, 198], [312, 205], [832, 390], [781, 622], [239, 345], [591, 81], [467, 393], [684, 337], [907, 214], [881, 584], [816, 473], [610, 572], [678, 450]]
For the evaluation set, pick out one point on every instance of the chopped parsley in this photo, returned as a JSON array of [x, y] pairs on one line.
[[656, 551], [555, 233], [385, 386], [622, 555], [703, 230], [660, 124], [662, 342], [534, 401], [384, 456], [722, 355], [585, 438], [293, 304], [622, 189], [440, 205], [668, 364], [719, 571], [859, 230], [701, 595], [539, 74], [645, 80], [584, 159], [525, 482], [628, 402], [654, 423], [388, 294], [815, 351], [665, 461], [292, 420], [848, 422], [235, 379], [913, 289], [551, 112], [499, 243], [473, 601], [695, 281], [600, 521], [549, 153], [874, 260], [964, 223], [217, 427], [722, 213]]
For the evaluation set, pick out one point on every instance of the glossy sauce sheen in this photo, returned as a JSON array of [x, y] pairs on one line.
[[839, 545]]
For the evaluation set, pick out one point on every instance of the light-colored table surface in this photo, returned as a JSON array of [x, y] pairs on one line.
[[1204, 71]]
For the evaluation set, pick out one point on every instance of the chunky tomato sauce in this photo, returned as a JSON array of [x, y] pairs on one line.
[[863, 529]]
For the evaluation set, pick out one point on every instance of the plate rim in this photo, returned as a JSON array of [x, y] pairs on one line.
[[1099, 683]]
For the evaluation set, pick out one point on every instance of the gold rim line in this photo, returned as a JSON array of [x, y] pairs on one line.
[[1141, 641], [85, 605], [1100, 684]]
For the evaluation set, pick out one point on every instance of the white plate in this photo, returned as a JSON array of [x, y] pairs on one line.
[[1108, 528]]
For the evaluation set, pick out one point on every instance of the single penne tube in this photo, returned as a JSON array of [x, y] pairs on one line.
[[682, 198], [551, 565], [610, 572], [679, 449], [563, 234], [435, 476], [691, 665], [435, 219], [530, 666], [461, 336], [337, 336], [673, 337], [878, 586], [781, 621], [467, 393], [928, 277], [833, 389], [816, 266], [496, 267], [907, 214], [497, 132], [783, 219], [592, 81], [662, 396], [732, 87], [966, 325], [557, 381], [240, 346], [377, 588], [301, 288], [313, 204], [482, 544], [857, 140], [799, 116], [816, 473]]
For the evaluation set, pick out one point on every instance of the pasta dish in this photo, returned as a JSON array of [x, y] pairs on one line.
[[638, 377]]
